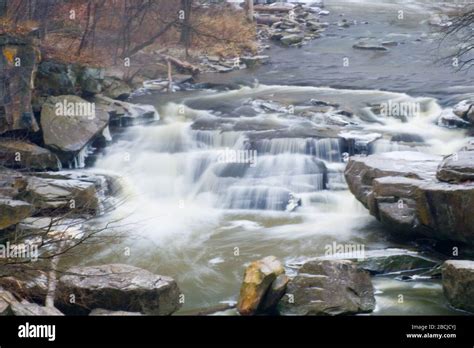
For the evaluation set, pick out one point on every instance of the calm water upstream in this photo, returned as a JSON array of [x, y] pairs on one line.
[[200, 221]]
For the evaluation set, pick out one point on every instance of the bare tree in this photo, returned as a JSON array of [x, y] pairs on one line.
[[460, 36]]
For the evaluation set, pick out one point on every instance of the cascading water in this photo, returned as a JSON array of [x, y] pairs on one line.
[[196, 213], [205, 197]]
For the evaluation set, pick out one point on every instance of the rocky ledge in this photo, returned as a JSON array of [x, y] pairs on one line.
[[116, 288], [415, 193], [458, 283]]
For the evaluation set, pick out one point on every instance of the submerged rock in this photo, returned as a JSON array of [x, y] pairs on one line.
[[292, 39], [329, 287], [258, 278], [395, 263], [254, 61], [116, 288], [25, 155], [370, 47], [458, 283], [401, 190]]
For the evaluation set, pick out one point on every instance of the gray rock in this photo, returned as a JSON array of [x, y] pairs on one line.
[[450, 120], [12, 183], [457, 168], [16, 95], [395, 263], [6, 299], [70, 123], [31, 285], [25, 308], [274, 293], [291, 39], [90, 80], [458, 283], [116, 288], [13, 211], [56, 78], [255, 60], [57, 196], [25, 155], [465, 110], [106, 313], [123, 114], [401, 190], [370, 47], [10, 306], [115, 88], [330, 287]]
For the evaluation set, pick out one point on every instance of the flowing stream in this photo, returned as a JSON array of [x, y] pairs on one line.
[[228, 177]]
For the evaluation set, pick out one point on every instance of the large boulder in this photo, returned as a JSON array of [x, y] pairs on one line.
[[116, 88], [401, 190], [292, 39], [18, 61], [70, 123], [57, 196], [12, 183], [258, 278], [465, 110], [25, 283], [458, 283], [116, 288], [13, 211], [25, 155], [57, 78], [328, 287], [457, 168]]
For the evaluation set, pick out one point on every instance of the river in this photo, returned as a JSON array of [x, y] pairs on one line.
[[191, 215]]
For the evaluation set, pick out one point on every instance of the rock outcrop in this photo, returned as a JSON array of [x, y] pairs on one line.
[[18, 61], [56, 78], [116, 288], [55, 196], [329, 287], [10, 306], [402, 191], [70, 123], [13, 211], [24, 155], [458, 283], [258, 279]]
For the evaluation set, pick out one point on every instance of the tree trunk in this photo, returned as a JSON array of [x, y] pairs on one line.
[[3, 8], [250, 10], [186, 25]]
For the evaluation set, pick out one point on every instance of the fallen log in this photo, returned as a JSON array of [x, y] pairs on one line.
[[262, 8], [183, 65], [268, 20]]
